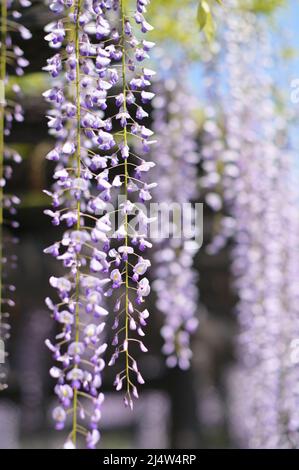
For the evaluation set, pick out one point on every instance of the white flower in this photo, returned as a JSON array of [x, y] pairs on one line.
[[76, 348], [56, 373], [93, 438], [127, 250], [141, 267], [75, 374], [69, 445], [66, 317], [69, 148], [64, 391], [59, 414], [143, 287], [60, 283], [145, 166]]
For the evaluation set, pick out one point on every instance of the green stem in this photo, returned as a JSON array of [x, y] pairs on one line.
[[78, 160], [123, 17], [2, 124]]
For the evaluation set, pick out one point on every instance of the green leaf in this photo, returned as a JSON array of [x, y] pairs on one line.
[[264, 6], [209, 28], [202, 13], [201, 16]]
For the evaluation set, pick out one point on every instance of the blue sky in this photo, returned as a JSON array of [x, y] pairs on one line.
[[285, 34], [289, 19]]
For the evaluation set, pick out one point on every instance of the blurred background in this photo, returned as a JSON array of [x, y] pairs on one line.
[[177, 409]]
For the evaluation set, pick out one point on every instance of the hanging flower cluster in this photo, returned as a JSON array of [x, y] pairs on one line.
[[258, 251], [254, 165], [12, 61], [98, 66], [290, 325], [176, 158], [219, 168]]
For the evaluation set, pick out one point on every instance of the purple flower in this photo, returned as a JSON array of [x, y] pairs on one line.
[[12, 60], [257, 188], [59, 416], [175, 280], [89, 146], [143, 288], [116, 278]]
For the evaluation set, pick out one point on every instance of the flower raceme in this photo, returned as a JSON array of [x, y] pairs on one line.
[[176, 157], [98, 65], [12, 62], [251, 170]]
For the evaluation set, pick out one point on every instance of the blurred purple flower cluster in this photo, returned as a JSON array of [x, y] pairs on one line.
[[12, 62], [176, 160], [250, 173]]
